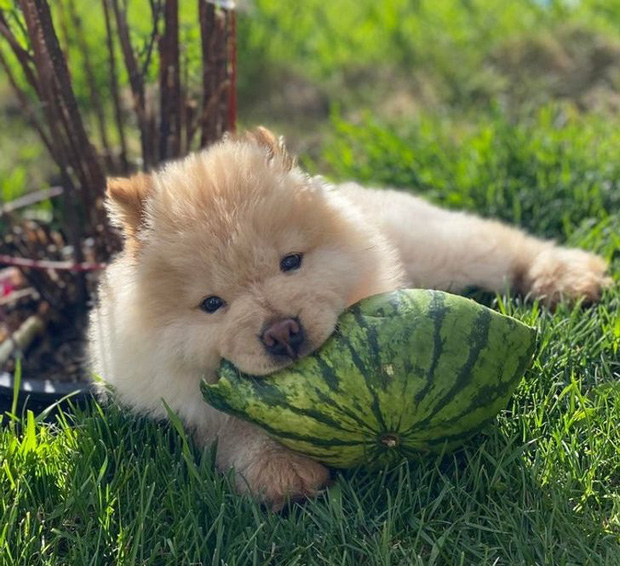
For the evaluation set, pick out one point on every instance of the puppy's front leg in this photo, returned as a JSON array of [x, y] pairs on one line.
[[267, 470]]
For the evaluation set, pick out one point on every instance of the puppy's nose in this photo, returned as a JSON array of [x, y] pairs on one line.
[[283, 338]]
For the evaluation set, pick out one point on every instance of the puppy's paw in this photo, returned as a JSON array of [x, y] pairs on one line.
[[563, 273], [278, 475]]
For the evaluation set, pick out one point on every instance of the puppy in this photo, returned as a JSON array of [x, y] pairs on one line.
[[235, 253]]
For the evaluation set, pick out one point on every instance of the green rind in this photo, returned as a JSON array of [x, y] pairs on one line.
[[463, 363]]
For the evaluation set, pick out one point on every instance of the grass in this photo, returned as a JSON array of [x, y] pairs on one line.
[[542, 486], [549, 172]]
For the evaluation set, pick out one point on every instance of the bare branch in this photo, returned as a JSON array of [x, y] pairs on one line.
[[29, 199], [170, 84], [114, 88], [25, 104], [90, 78], [153, 36], [25, 59], [231, 48], [214, 25], [45, 264], [21, 338], [64, 29], [136, 80]]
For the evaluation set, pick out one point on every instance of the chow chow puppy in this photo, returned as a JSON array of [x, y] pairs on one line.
[[236, 253]]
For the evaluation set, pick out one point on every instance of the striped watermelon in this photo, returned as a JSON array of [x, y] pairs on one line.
[[407, 373]]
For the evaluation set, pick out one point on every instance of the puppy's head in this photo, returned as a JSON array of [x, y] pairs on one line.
[[237, 254]]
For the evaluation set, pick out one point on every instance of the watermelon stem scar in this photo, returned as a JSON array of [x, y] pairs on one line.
[[408, 373], [390, 440]]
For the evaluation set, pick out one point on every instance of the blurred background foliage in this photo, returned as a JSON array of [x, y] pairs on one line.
[[435, 75]]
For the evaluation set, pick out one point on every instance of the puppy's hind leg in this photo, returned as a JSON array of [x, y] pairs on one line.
[[463, 250], [449, 250]]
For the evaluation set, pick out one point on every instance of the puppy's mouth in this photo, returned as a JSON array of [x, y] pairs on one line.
[[272, 363], [291, 356], [288, 357], [276, 350]]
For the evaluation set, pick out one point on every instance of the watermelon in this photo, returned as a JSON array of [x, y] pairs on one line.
[[405, 374]]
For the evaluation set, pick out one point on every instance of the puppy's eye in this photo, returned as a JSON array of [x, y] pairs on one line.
[[211, 304], [291, 262]]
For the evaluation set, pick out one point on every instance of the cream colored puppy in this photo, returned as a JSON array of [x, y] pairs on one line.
[[235, 253]]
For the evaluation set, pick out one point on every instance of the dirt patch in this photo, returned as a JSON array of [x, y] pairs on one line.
[[43, 302]]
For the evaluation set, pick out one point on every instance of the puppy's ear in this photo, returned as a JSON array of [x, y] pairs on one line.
[[126, 202], [276, 150]]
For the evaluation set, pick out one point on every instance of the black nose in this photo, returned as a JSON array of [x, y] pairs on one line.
[[283, 338]]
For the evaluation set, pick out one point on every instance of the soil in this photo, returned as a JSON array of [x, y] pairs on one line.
[[57, 354], [44, 298]]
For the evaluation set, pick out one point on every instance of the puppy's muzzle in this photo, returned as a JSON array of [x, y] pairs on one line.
[[283, 338]]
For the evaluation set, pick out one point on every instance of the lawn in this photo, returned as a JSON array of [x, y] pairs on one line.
[[542, 485]]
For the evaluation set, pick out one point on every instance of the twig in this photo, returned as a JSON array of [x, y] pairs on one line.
[[25, 59], [64, 30], [215, 25], [136, 81], [232, 60], [30, 199], [50, 98], [16, 296], [21, 338], [75, 127], [63, 150], [25, 104], [206, 16], [90, 77], [19, 22], [170, 84], [207, 113], [155, 14], [46, 264], [114, 87]]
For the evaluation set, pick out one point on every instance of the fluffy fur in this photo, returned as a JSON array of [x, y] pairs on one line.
[[219, 222]]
